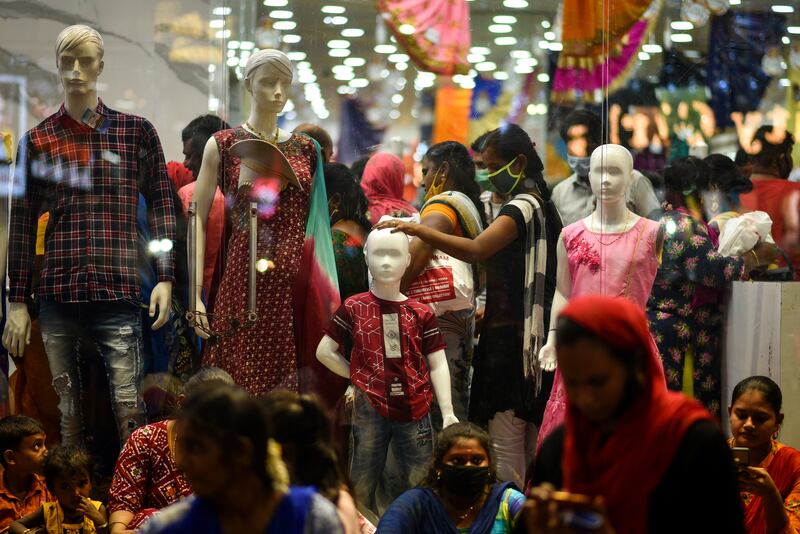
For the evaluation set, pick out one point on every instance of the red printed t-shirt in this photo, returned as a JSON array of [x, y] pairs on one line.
[[390, 343]]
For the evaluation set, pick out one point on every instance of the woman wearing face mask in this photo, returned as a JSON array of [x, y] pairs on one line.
[[460, 493], [451, 205], [770, 484], [508, 391]]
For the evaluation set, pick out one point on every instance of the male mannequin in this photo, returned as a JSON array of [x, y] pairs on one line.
[[581, 131], [87, 164], [392, 379], [612, 252]]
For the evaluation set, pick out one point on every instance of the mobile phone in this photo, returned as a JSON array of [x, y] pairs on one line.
[[572, 498], [575, 511], [741, 456]]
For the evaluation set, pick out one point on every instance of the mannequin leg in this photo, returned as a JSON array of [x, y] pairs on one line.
[[458, 330], [369, 445], [508, 434], [116, 329], [61, 330]]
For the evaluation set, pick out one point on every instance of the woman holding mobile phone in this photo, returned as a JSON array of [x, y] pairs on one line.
[[770, 483], [640, 458]]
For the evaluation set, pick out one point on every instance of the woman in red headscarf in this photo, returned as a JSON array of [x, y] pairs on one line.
[[382, 182], [631, 455]]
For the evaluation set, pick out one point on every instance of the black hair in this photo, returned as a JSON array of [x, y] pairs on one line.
[[353, 204], [724, 174], [510, 141], [300, 424], [227, 415], [201, 128], [207, 375], [685, 177], [67, 461], [764, 385], [477, 144], [317, 133], [461, 168], [770, 152], [588, 118], [15, 428], [445, 441], [358, 166]]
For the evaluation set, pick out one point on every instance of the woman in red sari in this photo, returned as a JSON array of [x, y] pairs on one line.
[[771, 483]]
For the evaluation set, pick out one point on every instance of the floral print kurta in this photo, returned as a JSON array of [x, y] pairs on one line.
[[685, 305]]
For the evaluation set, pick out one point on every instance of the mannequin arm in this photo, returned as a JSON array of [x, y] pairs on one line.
[[161, 298], [203, 195], [328, 355], [440, 378], [547, 354], [17, 334]]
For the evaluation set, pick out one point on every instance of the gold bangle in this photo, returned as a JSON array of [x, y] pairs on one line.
[[755, 256]]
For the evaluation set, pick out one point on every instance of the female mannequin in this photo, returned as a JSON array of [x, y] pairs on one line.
[[611, 252], [268, 74]]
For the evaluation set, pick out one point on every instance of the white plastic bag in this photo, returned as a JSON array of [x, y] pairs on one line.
[[741, 234]]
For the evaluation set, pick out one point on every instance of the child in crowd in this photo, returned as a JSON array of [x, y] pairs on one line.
[[67, 471], [22, 455]]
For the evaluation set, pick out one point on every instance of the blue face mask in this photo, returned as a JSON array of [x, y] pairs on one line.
[[504, 180], [579, 166], [482, 177]]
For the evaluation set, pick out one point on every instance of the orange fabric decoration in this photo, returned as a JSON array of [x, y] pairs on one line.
[[451, 119]]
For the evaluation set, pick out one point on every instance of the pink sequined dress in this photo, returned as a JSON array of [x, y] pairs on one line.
[[617, 264], [261, 357]]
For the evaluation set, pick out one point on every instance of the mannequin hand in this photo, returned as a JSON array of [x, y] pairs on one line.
[[448, 419], [161, 297], [547, 356], [17, 334], [201, 319]]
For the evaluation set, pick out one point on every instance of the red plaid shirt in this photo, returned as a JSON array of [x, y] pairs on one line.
[[391, 341], [90, 180]]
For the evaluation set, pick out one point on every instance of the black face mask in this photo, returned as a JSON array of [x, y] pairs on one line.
[[464, 481]]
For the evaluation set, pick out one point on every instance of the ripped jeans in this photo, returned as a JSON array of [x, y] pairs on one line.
[[115, 328]]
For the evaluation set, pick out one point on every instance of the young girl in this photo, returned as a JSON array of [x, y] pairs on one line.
[[67, 472]]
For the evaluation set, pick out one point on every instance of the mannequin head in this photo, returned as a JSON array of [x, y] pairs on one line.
[[610, 172], [268, 75], [79, 56], [387, 255]]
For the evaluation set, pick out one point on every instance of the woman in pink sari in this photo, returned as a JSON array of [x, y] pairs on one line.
[[383, 182]]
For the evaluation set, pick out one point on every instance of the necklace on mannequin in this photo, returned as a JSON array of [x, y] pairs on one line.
[[624, 230], [261, 135]]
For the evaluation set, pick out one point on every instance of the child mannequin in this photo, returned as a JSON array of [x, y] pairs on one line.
[[397, 357]]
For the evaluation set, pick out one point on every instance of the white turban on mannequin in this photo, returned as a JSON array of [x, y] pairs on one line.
[[276, 58]]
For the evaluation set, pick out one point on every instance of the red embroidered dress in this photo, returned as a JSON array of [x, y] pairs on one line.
[[261, 357]]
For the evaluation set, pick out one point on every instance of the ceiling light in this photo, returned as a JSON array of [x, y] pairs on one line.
[[504, 19], [385, 49], [296, 55], [546, 24], [291, 38], [338, 52], [401, 66], [652, 48], [345, 90], [469, 83], [344, 76], [233, 45], [785, 82], [285, 25], [280, 14], [556, 47], [682, 25], [336, 21], [359, 83], [221, 11], [516, 4], [216, 23], [397, 99], [500, 28], [341, 68], [794, 30], [231, 53], [785, 40], [550, 36], [485, 66], [692, 54], [681, 38], [304, 65], [275, 3], [394, 114], [500, 75], [480, 50], [779, 8], [324, 114], [352, 32], [505, 41], [407, 29], [355, 62], [476, 58], [306, 78], [523, 69], [398, 58], [543, 77], [338, 43], [544, 45], [528, 61], [247, 45], [223, 34], [232, 61], [736, 2], [333, 10], [644, 56], [520, 54]]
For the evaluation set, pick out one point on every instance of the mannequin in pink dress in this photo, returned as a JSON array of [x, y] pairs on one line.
[[611, 252]]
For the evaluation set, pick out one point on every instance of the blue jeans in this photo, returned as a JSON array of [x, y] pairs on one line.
[[370, 438], [115, 328]]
